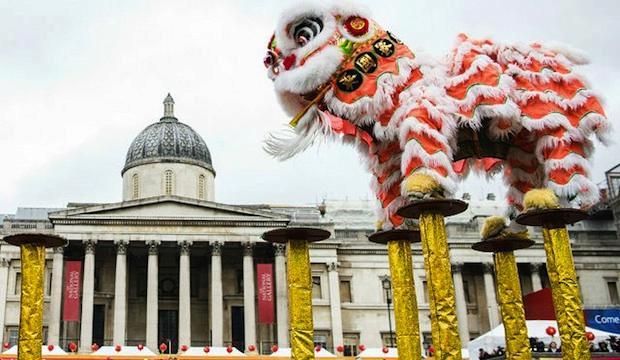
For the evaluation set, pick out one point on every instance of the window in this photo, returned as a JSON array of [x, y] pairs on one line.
[[322, 338], [12, 335], [48, 285], [612, 287], [425, 290], [18, 284], [345, 291], [316, 288], [389, 339], [239, 281], [135, 183], [168, 182], [351, 342], [466, 291], [201, 187]]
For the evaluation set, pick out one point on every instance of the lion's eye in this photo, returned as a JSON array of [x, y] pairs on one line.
[[306, 30]]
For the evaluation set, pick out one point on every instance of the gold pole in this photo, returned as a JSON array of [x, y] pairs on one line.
[[31, 315], [405, 305], [300, 300], [440, 287], [509, 297], [566, 297]]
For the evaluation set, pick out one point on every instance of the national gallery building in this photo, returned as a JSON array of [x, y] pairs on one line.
[[168, 264]]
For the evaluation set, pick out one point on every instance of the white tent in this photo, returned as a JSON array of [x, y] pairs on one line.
[[213, 351], [286, 353], [535, 328], [378, 353], [125, 351], [57, 350]]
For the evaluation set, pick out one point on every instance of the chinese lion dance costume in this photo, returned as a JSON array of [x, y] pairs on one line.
[[420, 123]]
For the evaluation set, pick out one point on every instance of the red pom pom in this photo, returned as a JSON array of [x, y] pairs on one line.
[[356, 26], [340, 348], [550, 331], [385, 350], [117, 348], [6, 345], [140, 347], [206, 349], [317, 348], [590, 336], [289, 61], [362, 347], [229, 349], [184, 348], [50, 347], [251, 347], [72, 347], [94, 347], [274, 348], [163, 347]]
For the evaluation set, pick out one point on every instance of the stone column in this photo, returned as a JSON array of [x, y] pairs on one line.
[[152, 300], [281, 295], [185, 328], [334, 303], [217, 299], [88, 293], [53, 330], [249, 311], [536, 283], [4, 277], [461, 303], [489, 291], [120, 294]]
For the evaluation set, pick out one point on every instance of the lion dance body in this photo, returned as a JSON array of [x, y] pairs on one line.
[[421, 124]]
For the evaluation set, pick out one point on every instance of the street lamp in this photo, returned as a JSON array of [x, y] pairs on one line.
[[387, 286]]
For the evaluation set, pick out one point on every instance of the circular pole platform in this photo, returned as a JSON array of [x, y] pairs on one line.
[[284, 235], [552, 218], [445, 207], [46, 240], [496, 245], [383, 237]]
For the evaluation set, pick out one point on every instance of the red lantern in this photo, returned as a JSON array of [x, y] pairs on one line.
[[340, 348], [590, 336], [6, 345], [251, 347], [385, 350], [362, 347], [229, 349], [184, 348], [72, 347], [206, 349], [94, 347], [140, 347], [117, 348], [163, 347], [50, 347], [550, 331], [317, 348], [274, 348]]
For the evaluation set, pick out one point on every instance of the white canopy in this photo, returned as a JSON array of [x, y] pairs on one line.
[[56, 351], [378, 353], [213, 351], [125, 351], [286, 353], [535, 328]]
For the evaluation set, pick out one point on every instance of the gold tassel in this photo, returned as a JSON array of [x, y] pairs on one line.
[[405, 303], [300, 300], [442, 303], [509, 298], [31, 316]]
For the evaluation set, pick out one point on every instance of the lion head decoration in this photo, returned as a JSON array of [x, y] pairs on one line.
[[422, 123]]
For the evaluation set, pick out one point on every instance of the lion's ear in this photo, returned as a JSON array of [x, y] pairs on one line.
[[354, 21]]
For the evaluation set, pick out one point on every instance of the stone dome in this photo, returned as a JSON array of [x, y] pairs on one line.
[[168, 141]]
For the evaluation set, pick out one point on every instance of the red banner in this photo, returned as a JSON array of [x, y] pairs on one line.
[[264, 277], [73, 279]]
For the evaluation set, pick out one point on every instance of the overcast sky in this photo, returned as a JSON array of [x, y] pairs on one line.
[[80, 79]]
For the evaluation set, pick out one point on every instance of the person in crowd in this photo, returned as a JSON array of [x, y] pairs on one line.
[[603, 347], [483, 355], [553, 347]]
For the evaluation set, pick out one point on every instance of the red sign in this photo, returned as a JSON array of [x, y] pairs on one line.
[[73, 279], [264, 276]]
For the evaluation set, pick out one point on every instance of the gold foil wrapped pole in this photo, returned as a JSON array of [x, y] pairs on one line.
[[405, 301], [509, 296], [561, 270], [444, 324], [299, 279], [30, 342]]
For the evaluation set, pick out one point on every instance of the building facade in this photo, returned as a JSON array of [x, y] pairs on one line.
[[168, 264]]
